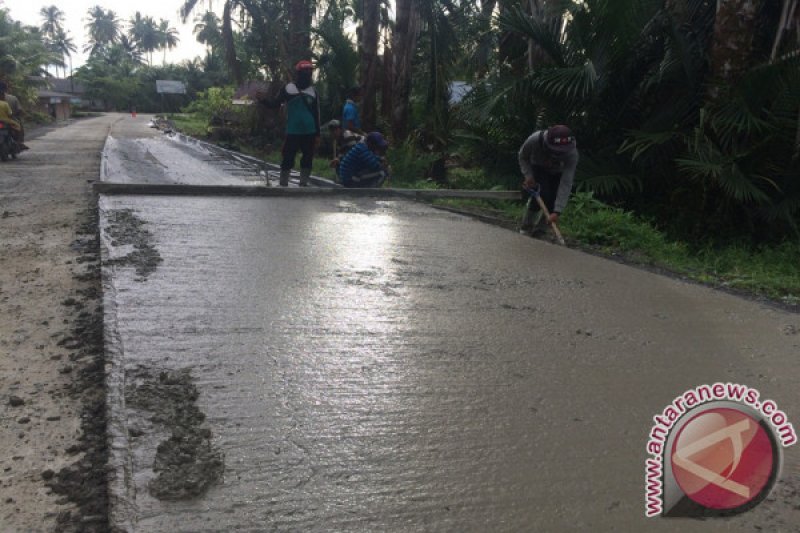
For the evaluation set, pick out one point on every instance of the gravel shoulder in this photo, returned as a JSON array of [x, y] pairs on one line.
[[52, 471]]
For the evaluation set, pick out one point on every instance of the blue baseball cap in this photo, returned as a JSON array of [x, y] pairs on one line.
[[376, 139]]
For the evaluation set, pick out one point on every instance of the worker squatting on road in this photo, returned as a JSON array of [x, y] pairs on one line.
[[365, 165]]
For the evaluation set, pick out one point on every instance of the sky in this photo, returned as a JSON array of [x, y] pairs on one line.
[[27, 12]]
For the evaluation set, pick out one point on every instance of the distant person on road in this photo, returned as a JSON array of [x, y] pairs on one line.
[[350, 118], [302, 122], [8, 115], [548, 159], [343, 141], [365, 164]]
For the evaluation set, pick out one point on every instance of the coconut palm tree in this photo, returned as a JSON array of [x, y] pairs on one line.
[[103, 29], [169, 37], [130, 51], [207, 30], [52, 20], [65, 46], [144, 32]]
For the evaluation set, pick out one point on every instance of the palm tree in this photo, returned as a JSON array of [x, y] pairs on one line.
[[53, 20], [227, 31], [65, 46], [207, 30], [130, 50], [144, 32], [169, 37], [103, 29], [338, 57], [22, 51]]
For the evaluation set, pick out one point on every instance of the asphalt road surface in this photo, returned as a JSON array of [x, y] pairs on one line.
[[335, 363]]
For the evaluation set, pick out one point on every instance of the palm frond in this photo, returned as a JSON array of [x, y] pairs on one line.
[[545, 34], [724, 172], [640, 142], [568, 84]]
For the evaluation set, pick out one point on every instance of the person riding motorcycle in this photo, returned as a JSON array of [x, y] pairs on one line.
[[8, 116]]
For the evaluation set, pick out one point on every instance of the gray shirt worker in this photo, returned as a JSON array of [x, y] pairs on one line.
[[549, 158]]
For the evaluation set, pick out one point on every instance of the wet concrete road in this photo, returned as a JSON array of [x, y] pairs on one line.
[[368, 365]]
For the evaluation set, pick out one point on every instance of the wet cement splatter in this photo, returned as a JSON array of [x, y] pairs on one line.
[[126, 229], [84, 481], [187, 463]]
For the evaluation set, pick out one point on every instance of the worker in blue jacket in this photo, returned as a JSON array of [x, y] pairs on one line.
[[365, 164]]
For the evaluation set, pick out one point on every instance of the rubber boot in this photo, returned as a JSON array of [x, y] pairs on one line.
[[530, 220], [304, 174], [284, 181]]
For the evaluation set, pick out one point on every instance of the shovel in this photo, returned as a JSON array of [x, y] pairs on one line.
[[535, 194]]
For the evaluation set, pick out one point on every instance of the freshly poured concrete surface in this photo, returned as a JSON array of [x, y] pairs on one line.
[[384, 366]]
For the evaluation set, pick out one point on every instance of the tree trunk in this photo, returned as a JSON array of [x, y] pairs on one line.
[[679, 9], [369, 62], [484, 49], [548, 14], [732, 40], [387, 66], [230, 49], [404, 43], [299, 31], [783, 26]]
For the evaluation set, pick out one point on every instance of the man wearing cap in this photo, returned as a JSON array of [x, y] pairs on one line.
[[548, 159], [302, 122], [364, 165], [343, 139]]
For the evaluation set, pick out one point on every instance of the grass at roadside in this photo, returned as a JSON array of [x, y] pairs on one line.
[[190, 123], [769, 271]]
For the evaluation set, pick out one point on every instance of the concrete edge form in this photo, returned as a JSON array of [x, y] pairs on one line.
[[105, 187], [121, 488]]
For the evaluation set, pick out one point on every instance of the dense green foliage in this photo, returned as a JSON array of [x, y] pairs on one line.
[[23, 54], [687, 118], [657, 132]]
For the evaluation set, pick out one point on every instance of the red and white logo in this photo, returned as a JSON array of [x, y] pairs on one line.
[[723, 459]]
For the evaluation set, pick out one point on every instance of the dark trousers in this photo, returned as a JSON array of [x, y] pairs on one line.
[[293, 143], [548, 188], [372, 180]]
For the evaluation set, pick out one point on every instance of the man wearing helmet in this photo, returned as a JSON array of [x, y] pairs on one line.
[[548, 159], [302, 122]]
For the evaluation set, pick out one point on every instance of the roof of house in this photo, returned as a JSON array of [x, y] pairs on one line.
[[43, 93], [66, 85]]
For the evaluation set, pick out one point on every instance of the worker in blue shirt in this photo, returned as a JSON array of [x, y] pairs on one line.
[[350, 119], [365, 165]]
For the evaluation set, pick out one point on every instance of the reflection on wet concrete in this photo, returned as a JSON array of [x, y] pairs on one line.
[[167, 159], [383, 366]]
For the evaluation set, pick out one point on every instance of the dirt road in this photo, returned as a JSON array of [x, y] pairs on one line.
[[53, 463]]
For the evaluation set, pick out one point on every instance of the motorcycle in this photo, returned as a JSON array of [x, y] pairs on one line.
[[8, 146]]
